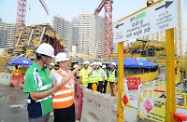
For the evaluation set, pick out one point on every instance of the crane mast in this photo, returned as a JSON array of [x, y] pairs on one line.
[[21, 12], [108, 34]]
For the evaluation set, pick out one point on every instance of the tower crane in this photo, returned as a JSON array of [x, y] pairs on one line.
[[108, 35], [21, 11]]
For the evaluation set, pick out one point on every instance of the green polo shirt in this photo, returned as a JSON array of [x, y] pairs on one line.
[[37, 79]]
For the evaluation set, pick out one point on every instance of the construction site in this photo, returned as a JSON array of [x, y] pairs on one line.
[[151, 69]]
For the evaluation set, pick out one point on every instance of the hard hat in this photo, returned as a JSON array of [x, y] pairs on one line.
[[94, 63], [86, 62], [45, 49], [104, 66], [52, 64], [61, 57], [99, 63], [75, 66], [113, 63]]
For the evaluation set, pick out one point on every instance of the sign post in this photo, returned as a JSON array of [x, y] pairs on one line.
[[159, 16], [170, 76], [120, 110]]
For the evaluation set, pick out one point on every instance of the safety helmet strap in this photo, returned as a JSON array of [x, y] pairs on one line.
[[44, 62]]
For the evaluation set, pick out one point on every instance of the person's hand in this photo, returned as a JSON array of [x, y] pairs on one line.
[[93, 68], [78, 67], [56, 86]]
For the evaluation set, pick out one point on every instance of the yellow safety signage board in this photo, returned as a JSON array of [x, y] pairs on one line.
[[154, 108]]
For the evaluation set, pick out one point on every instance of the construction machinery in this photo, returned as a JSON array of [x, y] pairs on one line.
[[29, 38], [108, 33], [144, 48], [21, 11], [148, 48]]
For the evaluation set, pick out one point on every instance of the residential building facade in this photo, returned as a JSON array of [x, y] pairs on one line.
[[90, 34], [64, 29], [9, 30]]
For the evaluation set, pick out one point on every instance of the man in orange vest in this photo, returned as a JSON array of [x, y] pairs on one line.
[[63, 99], [38, 85]]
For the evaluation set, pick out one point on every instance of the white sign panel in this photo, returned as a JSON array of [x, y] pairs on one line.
[[159, 17]]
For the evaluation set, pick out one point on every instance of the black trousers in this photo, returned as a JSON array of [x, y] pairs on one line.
[[100, 86], [90, 86], [65, 114], [104, 86]]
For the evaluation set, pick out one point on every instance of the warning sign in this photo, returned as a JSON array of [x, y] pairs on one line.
[[147, 105], [154, 108], [125, 99], [130, 101]]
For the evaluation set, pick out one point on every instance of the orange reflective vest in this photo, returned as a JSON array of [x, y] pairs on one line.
[[64, 97]]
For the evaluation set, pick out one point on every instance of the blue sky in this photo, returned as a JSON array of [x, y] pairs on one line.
[[65, 8], [69, 9]]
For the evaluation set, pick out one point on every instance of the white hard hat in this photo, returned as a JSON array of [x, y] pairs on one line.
[[61, 57], [113, 63], [104, 66], [86, 62], [52, 64], [99, 63], [45, 49], [94, 63]]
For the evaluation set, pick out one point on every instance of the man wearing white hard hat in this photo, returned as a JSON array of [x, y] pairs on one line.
[[63, 99], [51, 67], [113, 78], [101, 77], [93, 76], [38, 85], [84, 74]]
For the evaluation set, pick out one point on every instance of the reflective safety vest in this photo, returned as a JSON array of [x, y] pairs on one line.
[[84, 75], [43, 88], [64, 97], [112, 77], [100, 77], [53, 70], [93, 78]]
